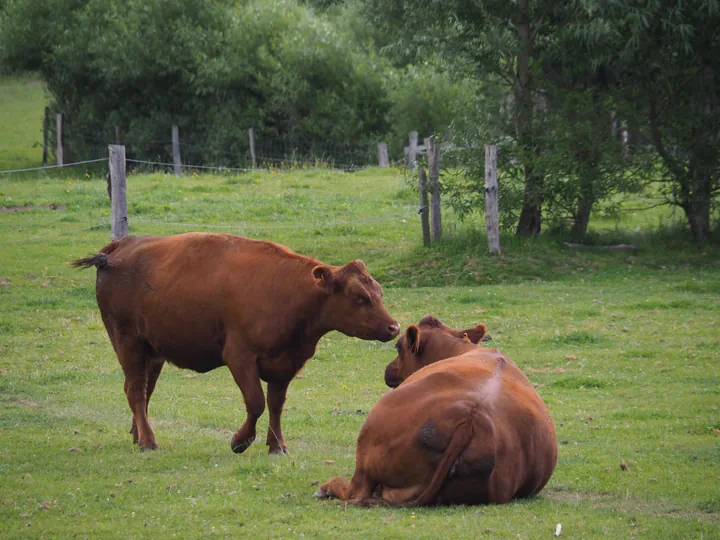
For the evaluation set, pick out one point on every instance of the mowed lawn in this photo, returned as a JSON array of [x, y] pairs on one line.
[[623, 347]]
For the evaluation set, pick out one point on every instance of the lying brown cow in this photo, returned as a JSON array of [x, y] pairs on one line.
[[464, 427], [202, 301]]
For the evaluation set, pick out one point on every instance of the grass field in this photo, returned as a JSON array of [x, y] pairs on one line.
[[623, 346], [21, 117]]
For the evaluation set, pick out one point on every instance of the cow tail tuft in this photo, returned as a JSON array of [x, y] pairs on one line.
[[100, 259]]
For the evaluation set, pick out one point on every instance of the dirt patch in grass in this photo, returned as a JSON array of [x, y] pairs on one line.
[[26, 207], [564, 496], [25, 403]]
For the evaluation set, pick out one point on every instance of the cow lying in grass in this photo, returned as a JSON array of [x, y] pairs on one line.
[[201, 301], [464, 426]]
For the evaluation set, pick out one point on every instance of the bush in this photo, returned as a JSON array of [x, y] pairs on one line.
[[214, 68], [426, 99]]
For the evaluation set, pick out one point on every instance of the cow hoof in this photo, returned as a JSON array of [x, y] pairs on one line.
[[148, 446], [240, 447], [322, 493]]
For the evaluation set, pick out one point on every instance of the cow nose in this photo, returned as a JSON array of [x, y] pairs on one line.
[[394, 328]]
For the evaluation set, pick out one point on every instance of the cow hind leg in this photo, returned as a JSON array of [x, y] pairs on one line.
[[134, 359], [244, 369], [276, 399], [153, 373]]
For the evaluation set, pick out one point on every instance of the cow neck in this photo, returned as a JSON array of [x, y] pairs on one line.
[[307, 308], [318, 326]]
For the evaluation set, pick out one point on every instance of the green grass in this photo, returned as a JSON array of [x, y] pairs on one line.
[[623, 348], [21, 117]]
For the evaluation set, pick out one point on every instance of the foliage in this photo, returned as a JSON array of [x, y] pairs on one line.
[[574, 65], [425, 99], [213, 68], [664, 57]]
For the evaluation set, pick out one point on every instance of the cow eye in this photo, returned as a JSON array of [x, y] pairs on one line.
[[362, 300]]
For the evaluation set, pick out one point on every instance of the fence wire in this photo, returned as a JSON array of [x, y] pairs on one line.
[[44, 167], [54, 235], [339, 223]]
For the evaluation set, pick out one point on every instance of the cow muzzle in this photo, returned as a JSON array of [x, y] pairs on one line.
[[392, 379], [389, 332]]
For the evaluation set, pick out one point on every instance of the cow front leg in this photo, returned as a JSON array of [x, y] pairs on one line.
[[359, 491], [276, 399], [244, 370]]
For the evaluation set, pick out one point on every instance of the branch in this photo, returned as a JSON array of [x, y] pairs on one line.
[[664, 203]]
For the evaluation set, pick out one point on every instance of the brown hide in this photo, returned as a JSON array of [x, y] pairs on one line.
[[464, 426], [201, 301]]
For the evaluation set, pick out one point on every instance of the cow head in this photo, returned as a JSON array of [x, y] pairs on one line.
[[427, 342], [354, 303]]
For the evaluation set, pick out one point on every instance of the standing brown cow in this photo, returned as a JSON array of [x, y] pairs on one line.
[[201, 301], [464, 426]]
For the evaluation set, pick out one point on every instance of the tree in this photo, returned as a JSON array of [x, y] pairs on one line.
[[551, 116], [665, 57], [214, 68]]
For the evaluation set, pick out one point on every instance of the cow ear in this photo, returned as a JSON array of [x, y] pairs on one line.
[[475, 334], [412, 338], [324, 278]]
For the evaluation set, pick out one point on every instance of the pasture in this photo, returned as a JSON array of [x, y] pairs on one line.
[[623, 347]]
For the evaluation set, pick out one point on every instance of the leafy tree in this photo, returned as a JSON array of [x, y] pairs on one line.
[[665, 57], [214, 68], [509, 45]]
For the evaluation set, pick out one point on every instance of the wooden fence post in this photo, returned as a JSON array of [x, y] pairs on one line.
[[177, 162], [383, 160], [251, 135], [119, 220], [58, 132], [117, 134], [412, 150], [433, 153], [46, 129], [491, 199], [424, 207]]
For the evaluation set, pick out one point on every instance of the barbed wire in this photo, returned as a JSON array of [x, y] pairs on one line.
[[218, 168], [393, 217], [8, 171], [62, 233], [238, 169]]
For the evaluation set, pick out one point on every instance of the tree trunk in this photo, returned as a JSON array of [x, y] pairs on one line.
[[698, 215], [530, 216], [696, 194], [581, 219]]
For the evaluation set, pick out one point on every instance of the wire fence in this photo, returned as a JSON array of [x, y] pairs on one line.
[[238, 150], [410, 210], [48, 167]]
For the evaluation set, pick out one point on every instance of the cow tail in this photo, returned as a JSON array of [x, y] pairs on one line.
[[458, 443], [98, 260]]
